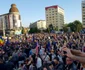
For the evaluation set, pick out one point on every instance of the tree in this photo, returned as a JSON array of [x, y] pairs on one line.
[[78, 25], [34, 30], [50, 27], [55, 28], [65, 28], [22, 30], [75, 26], [72, 26]]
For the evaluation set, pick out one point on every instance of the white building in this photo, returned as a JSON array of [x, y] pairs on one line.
[[83, 13], [54, 16], [11, 21], [40, 24]]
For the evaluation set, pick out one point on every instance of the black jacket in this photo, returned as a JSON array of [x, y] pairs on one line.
[[71, 67], [59, 66]]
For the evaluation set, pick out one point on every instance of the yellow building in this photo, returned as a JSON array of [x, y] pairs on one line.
[[54, 16], [83, 13], [40, 24]]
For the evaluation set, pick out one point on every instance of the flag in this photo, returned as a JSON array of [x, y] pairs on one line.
[[48, 46], [37, 48], [1, 41], [33, 38]]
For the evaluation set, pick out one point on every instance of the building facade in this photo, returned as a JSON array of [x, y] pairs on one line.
[[11, 21], [83, 13], [40, 24], [54, 16]]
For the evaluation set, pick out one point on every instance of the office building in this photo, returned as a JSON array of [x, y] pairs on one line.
[[55, 16], [83, 13]]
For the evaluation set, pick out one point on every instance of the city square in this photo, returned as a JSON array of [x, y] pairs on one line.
[[42, 35]]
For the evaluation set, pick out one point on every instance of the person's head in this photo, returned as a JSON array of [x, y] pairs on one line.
[[52, 51], [55, 61], [26, 61], [1, 61], [69, 61], [45, 68], [50, 65]]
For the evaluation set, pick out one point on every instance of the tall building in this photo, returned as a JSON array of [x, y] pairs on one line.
[[11, 21], [54, 16], [83, 13], [40, 24]]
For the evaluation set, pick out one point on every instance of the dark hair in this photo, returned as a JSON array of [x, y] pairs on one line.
[[56, 58]]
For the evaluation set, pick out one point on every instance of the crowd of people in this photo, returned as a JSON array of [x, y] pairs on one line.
[[44, 51]]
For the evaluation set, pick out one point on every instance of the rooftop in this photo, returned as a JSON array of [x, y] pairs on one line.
[[13, 8], [54, 6]]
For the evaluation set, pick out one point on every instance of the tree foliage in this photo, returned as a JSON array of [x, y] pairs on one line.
[[50, 28], [65, 28], [34, 30], [75, 26]]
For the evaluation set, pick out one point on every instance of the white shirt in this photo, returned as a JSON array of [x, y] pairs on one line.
[[41, 51], [39, 62]]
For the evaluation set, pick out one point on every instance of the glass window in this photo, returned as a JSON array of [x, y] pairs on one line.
[[83, 12], [83, 15], [83, 18], [83, 7], [52, 9]]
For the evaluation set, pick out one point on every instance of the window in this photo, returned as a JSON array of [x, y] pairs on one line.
[[83, 12], [83, 4], [52, 11], [55, 11], [49, 9], [83, 7], [83, 15], [83, 18]]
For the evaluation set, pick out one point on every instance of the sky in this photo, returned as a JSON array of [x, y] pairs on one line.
[[33, 10]]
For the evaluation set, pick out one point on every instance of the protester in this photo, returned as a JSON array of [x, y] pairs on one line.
[[70, 64], [44, 51]]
